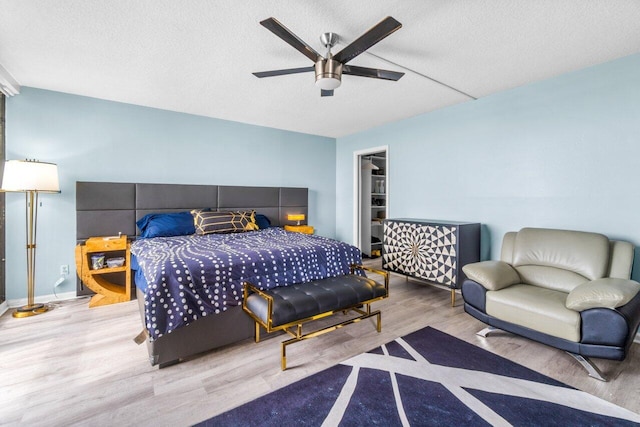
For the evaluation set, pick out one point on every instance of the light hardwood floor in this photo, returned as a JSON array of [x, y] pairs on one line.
[[80, 366]]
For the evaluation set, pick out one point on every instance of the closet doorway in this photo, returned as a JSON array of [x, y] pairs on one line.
[[371, 198]]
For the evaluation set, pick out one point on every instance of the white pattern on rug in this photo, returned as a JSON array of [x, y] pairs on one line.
[[456, 380]]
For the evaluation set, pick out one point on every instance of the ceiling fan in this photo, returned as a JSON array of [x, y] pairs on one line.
[[329, 68]]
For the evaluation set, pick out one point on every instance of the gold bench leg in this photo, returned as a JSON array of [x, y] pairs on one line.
[[283, 355], [257, 334], [300, 337], [297, 336], [453, 297]]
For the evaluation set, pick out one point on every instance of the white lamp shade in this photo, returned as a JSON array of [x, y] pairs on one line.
[[27, 175]]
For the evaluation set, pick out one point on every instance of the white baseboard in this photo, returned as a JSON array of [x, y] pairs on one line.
[[3, 308], [41, 299]]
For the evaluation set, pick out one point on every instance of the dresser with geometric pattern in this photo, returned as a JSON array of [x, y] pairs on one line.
[[430, 250]]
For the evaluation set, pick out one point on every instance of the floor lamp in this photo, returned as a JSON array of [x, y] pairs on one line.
[[30, 177]]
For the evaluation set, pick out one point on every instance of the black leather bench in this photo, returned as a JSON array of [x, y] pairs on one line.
[[287, 308]]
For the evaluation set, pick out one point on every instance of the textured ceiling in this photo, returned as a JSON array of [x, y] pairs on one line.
[[197, 56]]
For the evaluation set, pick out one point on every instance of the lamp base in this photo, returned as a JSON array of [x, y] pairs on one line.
[[31, 310]]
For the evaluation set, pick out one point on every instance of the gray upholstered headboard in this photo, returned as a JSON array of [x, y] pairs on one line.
[[107, 208]]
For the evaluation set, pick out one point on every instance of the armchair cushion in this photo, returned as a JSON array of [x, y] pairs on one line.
[[493, 275], [602, 293], [535, 308]]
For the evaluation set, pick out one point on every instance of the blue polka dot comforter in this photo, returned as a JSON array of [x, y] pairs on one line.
[[189, 277]]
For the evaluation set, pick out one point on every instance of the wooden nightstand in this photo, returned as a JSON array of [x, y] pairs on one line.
[[305, 229], [107, 292]]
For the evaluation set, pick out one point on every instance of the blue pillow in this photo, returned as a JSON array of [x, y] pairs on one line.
[[262, 221], [166, 225]]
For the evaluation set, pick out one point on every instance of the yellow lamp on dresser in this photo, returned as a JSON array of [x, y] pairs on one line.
[[298, 228]]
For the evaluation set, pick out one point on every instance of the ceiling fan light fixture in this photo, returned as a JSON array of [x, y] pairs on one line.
[[327, 83], [328, 74]]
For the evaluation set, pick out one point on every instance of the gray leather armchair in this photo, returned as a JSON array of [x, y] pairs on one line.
[[567, 289]]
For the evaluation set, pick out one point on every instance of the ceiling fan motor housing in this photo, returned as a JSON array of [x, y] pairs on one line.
[[328, 73]]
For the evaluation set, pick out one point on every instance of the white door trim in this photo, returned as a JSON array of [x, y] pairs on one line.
[[356, 187]]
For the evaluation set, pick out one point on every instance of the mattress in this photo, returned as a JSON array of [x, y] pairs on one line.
[[188, 277]]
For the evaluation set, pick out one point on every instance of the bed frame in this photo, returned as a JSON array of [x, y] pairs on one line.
[[106, 209]]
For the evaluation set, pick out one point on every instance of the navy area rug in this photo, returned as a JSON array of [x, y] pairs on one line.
[[427, 378]]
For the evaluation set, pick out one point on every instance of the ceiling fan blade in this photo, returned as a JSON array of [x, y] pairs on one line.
[[285, 34], [272, 73], [379, 31], [372, 72], [326, 92]]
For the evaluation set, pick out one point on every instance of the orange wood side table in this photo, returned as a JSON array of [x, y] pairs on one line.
[[106, 291], [305, 229]]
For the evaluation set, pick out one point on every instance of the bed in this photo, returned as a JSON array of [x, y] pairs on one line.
[[196, 310]]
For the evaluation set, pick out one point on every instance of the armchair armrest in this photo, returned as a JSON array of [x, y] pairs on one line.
[[493, 275], [602, 293]]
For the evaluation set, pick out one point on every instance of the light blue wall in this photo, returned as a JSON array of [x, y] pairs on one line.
[[561, 153], [96, 140]]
